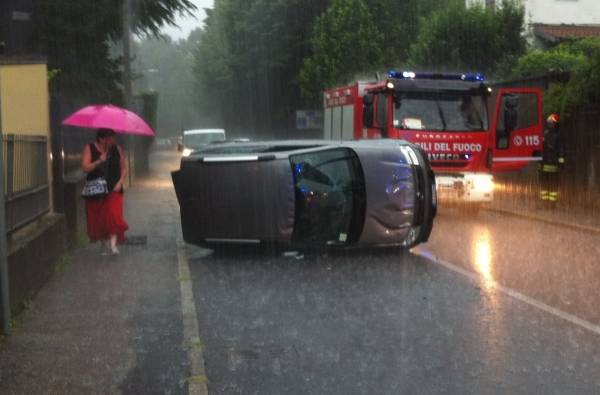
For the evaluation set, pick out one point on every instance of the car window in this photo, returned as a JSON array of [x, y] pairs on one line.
[[329, 196]]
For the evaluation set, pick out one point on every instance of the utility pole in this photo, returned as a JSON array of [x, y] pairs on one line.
[[4, 294], [127, 92], [126, 54]]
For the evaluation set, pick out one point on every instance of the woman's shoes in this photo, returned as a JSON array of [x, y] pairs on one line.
[[114, 250], [104, 249]]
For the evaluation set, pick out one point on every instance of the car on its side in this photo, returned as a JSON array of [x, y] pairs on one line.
[[307, 194], [196, 139]]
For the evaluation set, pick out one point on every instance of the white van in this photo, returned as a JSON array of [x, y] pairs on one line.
[[198, 138]]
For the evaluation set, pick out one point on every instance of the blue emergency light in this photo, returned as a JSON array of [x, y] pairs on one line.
[[411, 75]]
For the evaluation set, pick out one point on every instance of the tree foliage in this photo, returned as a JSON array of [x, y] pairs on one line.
[[475, 38], [260, 60], [165, 66], [580, 58], [345, 42], [248, 60], [361, 37], [77, 36]]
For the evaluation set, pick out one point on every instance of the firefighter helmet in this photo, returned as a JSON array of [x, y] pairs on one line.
[[553, 119]]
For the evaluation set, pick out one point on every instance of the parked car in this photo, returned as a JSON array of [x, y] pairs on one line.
[[196, 139], [307, 194]]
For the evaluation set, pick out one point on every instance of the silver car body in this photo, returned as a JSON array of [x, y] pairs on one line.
[[307, 193]]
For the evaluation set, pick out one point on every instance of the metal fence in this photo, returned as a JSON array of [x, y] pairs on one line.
[[26, 184]]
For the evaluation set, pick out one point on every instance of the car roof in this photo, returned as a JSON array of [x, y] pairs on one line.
[[204, 131]]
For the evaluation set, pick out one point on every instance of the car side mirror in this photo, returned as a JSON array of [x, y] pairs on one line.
[[368, 110]]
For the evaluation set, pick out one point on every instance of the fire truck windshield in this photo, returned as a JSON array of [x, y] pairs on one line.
[[448, 111]]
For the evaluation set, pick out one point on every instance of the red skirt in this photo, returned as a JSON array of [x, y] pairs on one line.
[[105, 218]]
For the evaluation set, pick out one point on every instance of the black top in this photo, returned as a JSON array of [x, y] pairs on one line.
[[553, 146], [111, 169]]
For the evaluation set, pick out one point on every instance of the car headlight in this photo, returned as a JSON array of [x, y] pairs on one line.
[[187, 152], [483, 183]]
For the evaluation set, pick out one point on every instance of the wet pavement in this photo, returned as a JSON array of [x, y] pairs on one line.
[[556, 265], [379, 323], [490, 313], [108, 325]]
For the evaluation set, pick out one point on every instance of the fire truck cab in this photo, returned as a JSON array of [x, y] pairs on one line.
[[467, 129]]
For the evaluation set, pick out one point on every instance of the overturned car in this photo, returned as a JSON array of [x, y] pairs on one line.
[[307, 194]]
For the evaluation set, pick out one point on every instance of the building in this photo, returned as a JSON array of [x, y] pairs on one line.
[[551, 21]]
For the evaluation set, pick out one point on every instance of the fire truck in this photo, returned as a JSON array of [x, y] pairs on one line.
[[468, 129]]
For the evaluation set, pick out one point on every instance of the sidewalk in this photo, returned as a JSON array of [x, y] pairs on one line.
[[106, 325]]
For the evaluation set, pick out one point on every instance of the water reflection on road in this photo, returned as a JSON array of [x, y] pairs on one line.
[[482, 253], [553, 265]]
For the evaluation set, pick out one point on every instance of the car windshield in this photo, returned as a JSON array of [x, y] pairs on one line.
[[198, 140], [450, 112]]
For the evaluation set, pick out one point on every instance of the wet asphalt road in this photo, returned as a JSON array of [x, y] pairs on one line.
[[491, 305], [373, 322]]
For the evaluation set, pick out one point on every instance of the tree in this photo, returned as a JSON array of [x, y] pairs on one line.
[[165, 66], [77, 36], [580, 58], [345, 42], [475, 38], [248, 61], [256, 57]]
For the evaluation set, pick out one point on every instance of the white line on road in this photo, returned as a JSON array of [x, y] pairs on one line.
[[510, 292], [197, 382]]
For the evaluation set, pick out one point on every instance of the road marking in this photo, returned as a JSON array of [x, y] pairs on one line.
[[476, 278], [197, 382]]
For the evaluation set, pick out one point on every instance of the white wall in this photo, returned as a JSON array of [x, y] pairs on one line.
[[576, 12], [571, 12]]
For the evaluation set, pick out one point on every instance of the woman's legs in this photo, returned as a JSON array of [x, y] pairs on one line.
[[115, 223], [113, 244]]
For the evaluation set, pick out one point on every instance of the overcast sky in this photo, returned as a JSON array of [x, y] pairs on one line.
[[187, 24]]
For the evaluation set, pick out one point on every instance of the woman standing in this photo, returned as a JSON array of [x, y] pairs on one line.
[[105, 222]]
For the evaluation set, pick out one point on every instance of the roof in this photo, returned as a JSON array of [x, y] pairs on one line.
[[556, 33], [204, 131]]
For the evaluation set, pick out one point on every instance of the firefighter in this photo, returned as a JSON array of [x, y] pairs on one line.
[[553, 159]]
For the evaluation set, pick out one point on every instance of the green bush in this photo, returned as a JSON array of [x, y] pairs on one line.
[[580, 58]]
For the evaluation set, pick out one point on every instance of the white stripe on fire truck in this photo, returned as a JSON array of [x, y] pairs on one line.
[[518, 159]]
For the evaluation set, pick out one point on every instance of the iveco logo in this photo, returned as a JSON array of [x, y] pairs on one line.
[[433, 156]]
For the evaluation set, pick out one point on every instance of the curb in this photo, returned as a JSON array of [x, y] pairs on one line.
[[539, 218]]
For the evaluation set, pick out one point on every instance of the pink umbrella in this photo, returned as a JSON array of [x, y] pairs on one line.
[[110, 117]]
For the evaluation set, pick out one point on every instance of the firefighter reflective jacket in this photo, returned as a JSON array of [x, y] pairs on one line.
[[553, 154]]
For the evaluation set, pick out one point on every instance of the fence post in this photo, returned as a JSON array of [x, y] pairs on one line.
[[4, 294], [10, 162]]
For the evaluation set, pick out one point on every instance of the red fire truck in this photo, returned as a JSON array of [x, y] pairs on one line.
[[468, 129]]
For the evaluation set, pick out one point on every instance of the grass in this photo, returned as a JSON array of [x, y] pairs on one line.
[[67, 258], [63, 262], [196, 345], [199, 379]]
